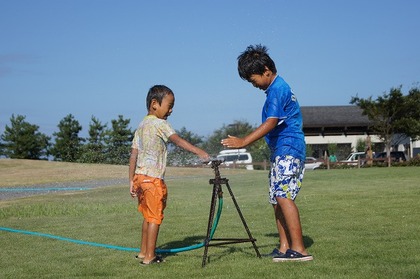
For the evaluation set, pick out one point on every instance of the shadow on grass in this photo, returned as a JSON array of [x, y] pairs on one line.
[[186, 242], [221, 251], [216, 252]]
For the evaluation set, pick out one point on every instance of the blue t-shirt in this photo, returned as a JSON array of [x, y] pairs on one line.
[[287, 138]]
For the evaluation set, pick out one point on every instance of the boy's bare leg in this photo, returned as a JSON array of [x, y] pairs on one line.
[[143, 245], [152, 233], [291, 216], [281, 228]]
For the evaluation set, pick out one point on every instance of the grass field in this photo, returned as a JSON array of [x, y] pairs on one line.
[[357, 223]]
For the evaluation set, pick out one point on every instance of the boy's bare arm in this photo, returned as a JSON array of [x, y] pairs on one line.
[[261, 131], [189, 147], [132, 169]]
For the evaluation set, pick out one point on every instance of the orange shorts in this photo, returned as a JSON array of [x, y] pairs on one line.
[[151, 194]]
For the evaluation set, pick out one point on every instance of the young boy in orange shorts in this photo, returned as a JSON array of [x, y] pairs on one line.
[[148, 164]]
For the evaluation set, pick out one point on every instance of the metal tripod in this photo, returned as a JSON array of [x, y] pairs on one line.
[[217, 193]]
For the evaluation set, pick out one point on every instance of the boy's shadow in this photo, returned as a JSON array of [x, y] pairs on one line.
[[181, 244]]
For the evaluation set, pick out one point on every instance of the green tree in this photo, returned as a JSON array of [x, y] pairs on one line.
[[392, 114], [118, 141], [180, 157], [360, 145], [22, 140], [409, 123], [237, 129], [94, 151], [68, 144], [332, 148], [309, 150], [260, 152]]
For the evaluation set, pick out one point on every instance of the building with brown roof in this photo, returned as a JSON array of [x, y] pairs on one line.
[[345, 126]]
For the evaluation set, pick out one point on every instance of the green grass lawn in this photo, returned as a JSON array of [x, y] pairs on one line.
[[357, 223]]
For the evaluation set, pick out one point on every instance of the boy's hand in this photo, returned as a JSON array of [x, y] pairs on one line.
[[233, 142], [132, 191], [204, 156]]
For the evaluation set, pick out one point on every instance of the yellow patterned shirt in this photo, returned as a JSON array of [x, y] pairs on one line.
[[151, 139]]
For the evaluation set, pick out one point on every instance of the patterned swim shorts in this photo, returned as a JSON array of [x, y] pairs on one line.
[[285, 178]]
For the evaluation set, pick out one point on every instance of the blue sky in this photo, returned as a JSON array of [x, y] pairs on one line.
[[100, 57]]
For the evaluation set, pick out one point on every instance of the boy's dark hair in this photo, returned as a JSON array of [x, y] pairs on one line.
[[253, 62], [157, 92]]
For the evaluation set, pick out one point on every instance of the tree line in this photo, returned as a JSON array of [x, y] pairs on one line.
[[104, 145], [391, 114], [23, 140]]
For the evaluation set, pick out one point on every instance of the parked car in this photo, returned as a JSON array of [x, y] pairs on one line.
[[312, 163], [353, 157], [396, 156], [237, 156]]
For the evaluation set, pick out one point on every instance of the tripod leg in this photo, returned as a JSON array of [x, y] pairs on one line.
[[243, 221], [216, 189]]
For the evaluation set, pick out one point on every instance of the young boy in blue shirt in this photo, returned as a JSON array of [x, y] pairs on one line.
[[282, 128]]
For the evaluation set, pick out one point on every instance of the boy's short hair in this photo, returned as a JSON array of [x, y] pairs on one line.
[[157, 92], [253, 61]]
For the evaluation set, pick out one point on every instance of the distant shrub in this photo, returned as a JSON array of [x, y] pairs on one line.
[[414, 161]]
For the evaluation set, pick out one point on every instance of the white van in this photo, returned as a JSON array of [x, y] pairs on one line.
[[354, 157], [237, 156]]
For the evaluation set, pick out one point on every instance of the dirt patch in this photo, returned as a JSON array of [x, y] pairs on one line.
[[25, 178]]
